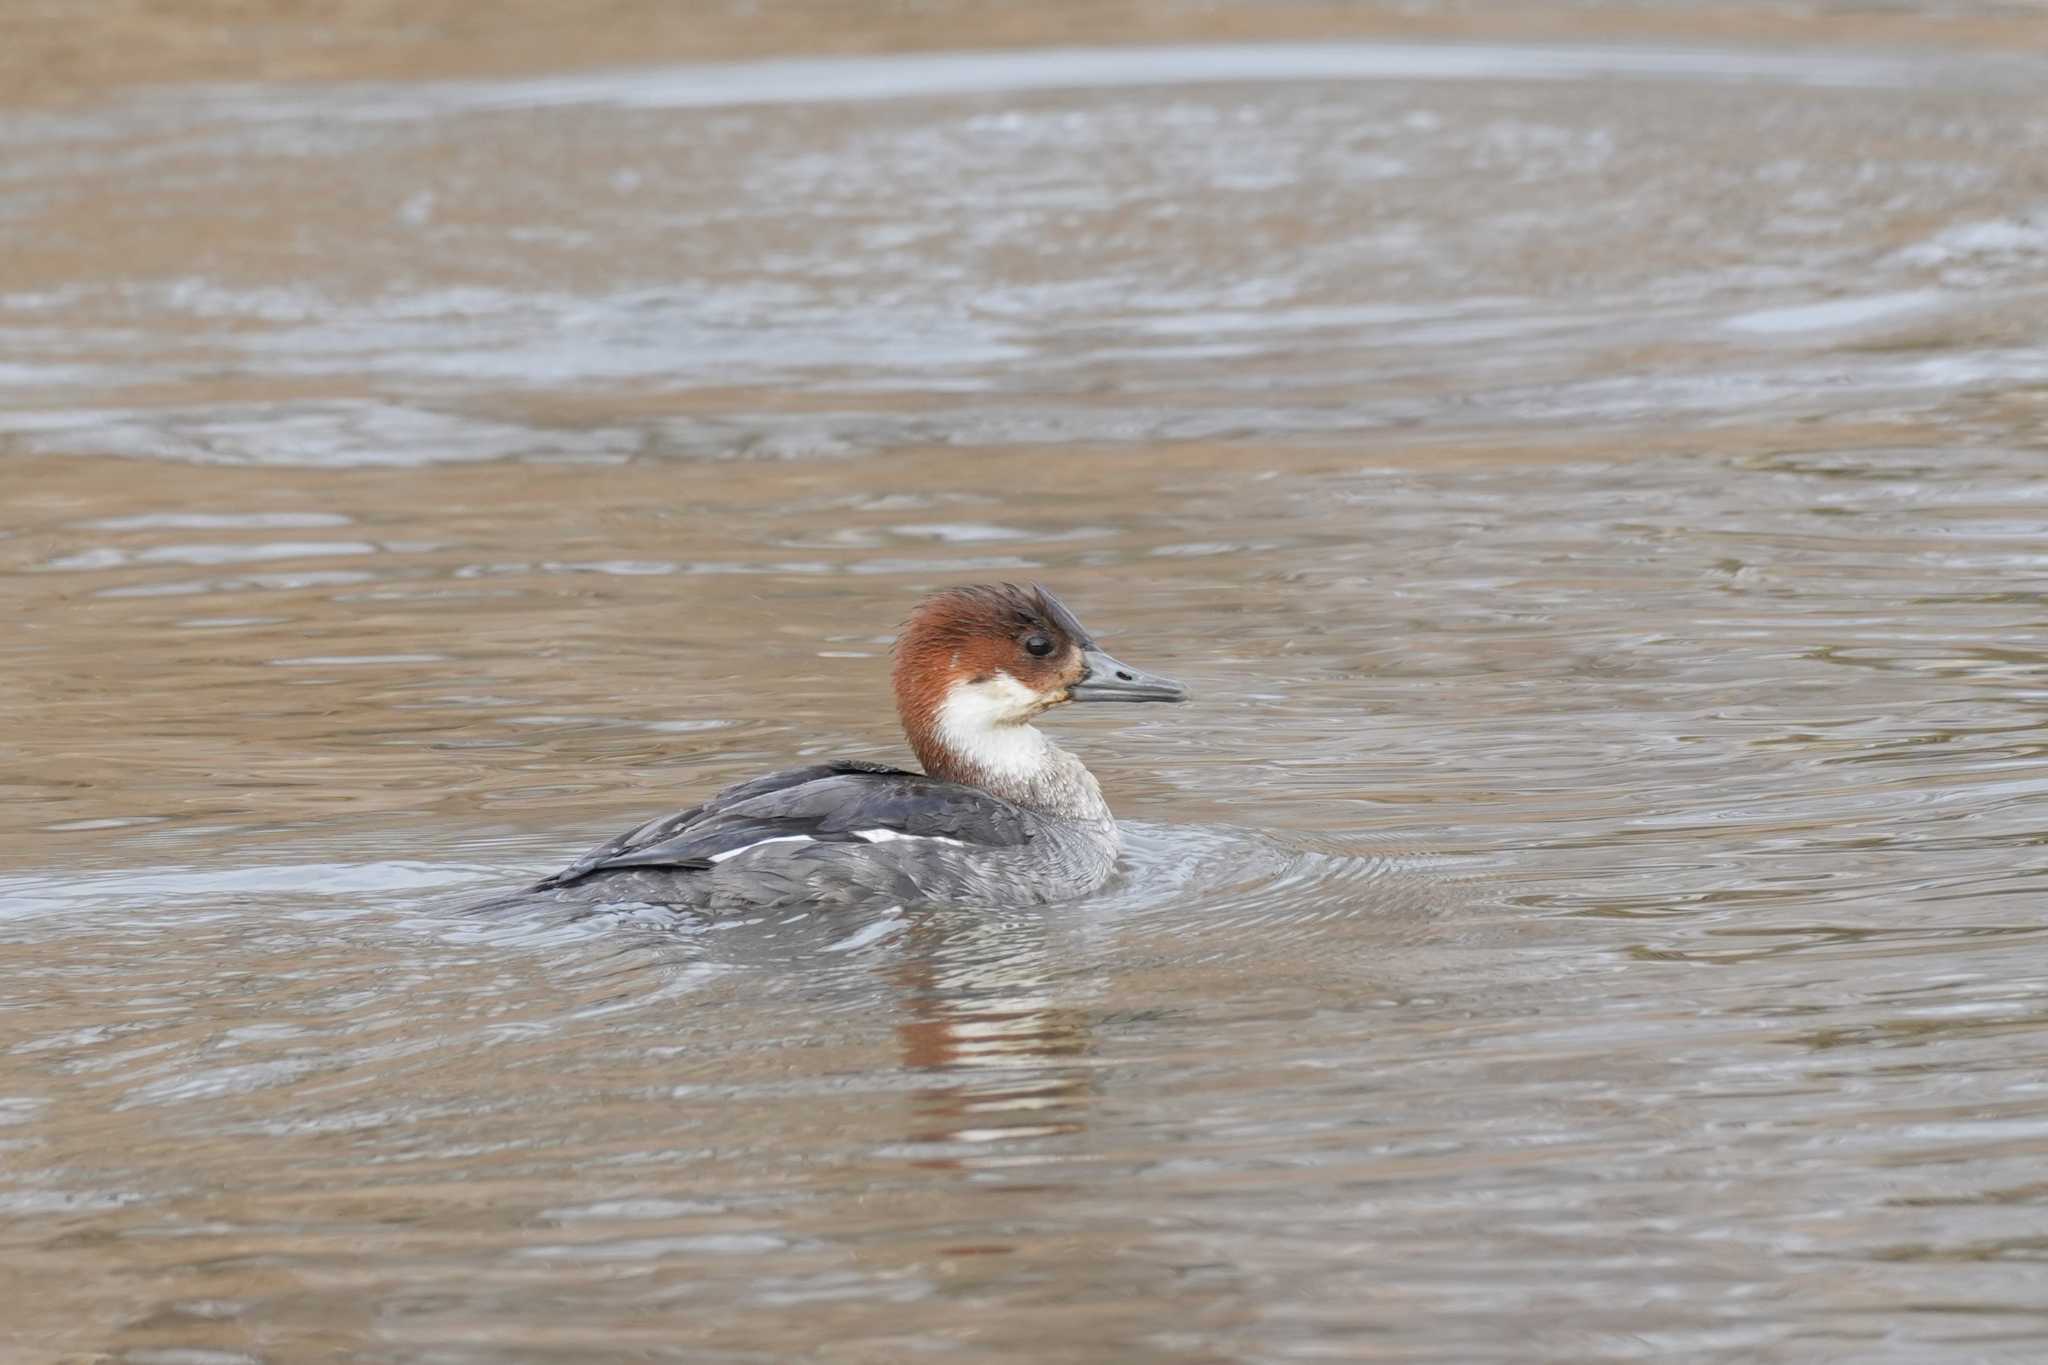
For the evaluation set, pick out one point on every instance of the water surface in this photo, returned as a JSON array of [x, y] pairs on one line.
[[1592, 911]]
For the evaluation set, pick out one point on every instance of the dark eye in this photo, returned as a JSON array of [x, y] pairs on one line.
[[1040, 645]]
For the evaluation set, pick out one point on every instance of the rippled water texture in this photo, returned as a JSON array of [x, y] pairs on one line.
[[1593, 910]]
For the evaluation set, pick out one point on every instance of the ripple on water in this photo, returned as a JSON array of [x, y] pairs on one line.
[[1329, 222], [1597, 883]]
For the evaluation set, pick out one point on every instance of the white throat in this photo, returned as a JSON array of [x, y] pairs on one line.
[[986, 727]]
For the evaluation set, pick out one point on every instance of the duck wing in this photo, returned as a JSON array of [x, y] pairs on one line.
[[829, 803]]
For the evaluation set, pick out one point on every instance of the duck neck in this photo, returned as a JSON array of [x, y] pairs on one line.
[[1014, 761]]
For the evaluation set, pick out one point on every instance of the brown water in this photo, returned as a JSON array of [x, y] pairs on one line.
[[1593, 910]]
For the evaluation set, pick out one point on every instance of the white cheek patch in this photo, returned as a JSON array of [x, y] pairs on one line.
[[892, 836], [748, 848], [1000, 700]]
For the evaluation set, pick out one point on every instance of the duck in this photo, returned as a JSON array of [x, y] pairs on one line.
[[1000, 816]]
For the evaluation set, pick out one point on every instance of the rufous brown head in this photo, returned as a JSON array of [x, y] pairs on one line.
[[991, 655]]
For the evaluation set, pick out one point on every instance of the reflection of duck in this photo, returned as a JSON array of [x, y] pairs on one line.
[[1000, 816], [1003, 1055]]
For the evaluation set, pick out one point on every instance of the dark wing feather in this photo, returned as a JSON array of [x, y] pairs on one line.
[[665, 829], [827, 803]]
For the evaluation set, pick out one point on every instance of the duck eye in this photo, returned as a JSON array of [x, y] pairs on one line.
[[1040, 645]]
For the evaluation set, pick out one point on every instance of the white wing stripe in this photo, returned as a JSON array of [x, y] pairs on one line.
[[873, 836], [889, 836], [778, 839]]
